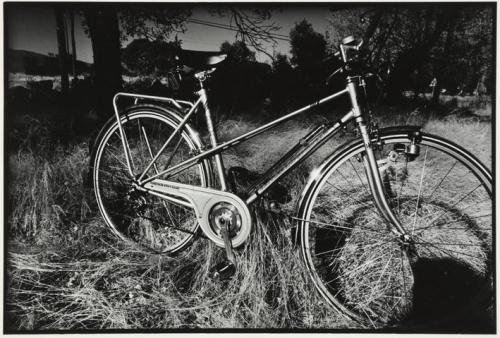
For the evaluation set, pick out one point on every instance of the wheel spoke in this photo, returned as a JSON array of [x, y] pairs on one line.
[[144, 218], [419, 230], [349, 196], [354, 261], [453, 205], [359, 177], [333, 226], [447, 251], [149, 147], [442, 179], [419, 191]]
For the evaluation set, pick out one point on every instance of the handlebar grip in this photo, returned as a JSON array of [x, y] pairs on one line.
[[349, 41], [330, 56]]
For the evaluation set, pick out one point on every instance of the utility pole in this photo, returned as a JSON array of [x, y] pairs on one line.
[[73, 48], [61, 44]]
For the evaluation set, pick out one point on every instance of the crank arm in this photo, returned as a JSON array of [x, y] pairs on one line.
[[227, 245]]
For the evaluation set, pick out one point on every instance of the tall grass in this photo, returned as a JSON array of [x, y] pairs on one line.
[[46, 190], [65, 270]]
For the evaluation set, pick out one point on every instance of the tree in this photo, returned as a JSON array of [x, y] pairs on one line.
[[308, 49], [73, 43], [451, 42], [237, 52], [240, 83], [251, 25], [108, 24], [103, 29], [308, 46], [284, 84], [145, 57]]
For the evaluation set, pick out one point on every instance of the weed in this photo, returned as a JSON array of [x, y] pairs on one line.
[[65, 270]]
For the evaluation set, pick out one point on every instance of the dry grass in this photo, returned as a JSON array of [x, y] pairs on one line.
[[66, 270]]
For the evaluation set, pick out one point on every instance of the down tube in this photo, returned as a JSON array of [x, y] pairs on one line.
[[297, 160]]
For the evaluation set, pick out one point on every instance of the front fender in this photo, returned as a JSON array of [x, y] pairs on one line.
[[315, 175]]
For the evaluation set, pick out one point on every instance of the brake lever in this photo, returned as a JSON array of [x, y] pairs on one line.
[[358, 46], [330, 56], [340, 70]]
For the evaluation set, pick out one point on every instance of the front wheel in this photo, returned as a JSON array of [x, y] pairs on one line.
[[440, 277]]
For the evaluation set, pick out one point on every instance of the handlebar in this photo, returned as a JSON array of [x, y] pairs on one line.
[[347, 52], [347, 44]]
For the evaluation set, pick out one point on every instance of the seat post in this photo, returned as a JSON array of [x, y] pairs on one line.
[[213, 136]]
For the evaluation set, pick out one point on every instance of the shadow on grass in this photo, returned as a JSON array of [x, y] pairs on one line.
[[449, 297]]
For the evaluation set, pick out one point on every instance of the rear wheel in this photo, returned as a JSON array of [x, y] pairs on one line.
[[153, 223], [441, 274]]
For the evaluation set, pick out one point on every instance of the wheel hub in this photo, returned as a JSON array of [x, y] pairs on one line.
[[137, 199]]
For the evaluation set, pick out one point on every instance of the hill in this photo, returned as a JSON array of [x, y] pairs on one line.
[[23, 61]]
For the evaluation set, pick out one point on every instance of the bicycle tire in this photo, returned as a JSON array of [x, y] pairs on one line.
[[357, 276], [142, 219]]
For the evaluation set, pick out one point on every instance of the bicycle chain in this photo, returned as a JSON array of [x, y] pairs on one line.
[[274, 211], [197, 233]]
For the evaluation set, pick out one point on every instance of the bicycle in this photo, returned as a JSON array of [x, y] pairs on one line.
[[374, 210]]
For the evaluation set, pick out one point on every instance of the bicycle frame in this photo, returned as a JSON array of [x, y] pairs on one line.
[[306, 146]]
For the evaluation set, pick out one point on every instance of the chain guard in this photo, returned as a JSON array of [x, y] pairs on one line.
[[203, 200]]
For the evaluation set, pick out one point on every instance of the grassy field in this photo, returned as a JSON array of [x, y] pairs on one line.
[[67, 271]]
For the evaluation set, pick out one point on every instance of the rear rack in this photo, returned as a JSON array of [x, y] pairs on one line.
[[177, 103]]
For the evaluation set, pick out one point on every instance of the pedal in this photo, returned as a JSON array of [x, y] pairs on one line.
[[223, 271], [227, 268]]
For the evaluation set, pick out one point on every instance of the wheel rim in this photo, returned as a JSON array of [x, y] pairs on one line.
[[153, 223], [355, 275]]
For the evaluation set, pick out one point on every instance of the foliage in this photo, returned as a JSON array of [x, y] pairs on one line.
[[308, 47], [283, 83], [240, 83], [144, 57], [145, 21], [453, 43], [237, 52], [251, 24], [152, 22]]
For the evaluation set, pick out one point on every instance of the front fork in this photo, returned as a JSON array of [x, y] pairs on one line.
[[370, 164]]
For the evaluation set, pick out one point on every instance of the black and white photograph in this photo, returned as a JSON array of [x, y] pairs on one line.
[[278, 167]]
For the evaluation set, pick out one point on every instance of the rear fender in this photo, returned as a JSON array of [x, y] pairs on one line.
[[173, 115]]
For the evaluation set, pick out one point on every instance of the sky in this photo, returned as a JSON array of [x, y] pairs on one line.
[[31, 26]]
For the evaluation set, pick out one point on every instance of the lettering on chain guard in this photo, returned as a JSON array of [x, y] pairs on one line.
[[202, 200]]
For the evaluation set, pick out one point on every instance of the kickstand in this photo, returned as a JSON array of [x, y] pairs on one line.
[[226, 269]]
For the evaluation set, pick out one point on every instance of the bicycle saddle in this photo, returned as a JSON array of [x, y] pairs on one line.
[[200, 60]]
